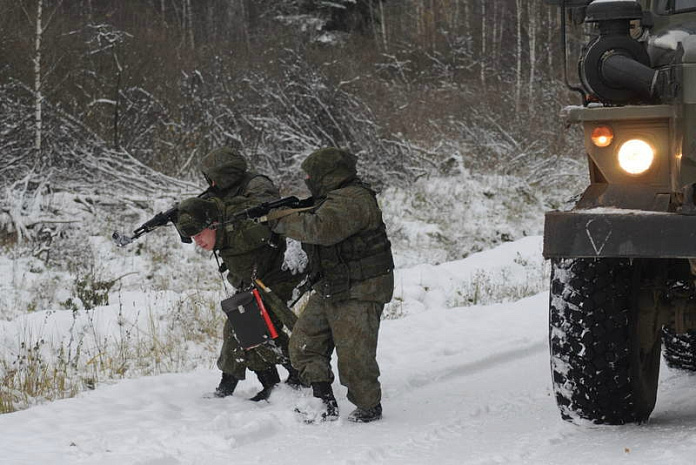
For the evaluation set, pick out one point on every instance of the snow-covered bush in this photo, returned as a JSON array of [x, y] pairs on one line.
[[439, 219]]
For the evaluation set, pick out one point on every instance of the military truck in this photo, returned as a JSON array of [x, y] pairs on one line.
[[623, 258]]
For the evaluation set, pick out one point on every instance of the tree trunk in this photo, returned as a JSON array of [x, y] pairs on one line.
[[483, 43], [532, 34], [467, 26], [498, 39], [495, 44], [38, 95], [518, 69], [245, 22], [383, 22], [419, 18], [119, 71], [550, 29], [189, 24], [371, 6]]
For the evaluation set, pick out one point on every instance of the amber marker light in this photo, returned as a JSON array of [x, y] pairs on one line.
[[602, 136]]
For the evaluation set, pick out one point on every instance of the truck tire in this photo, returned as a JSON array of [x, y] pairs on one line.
[[599, 372], [679, 349]]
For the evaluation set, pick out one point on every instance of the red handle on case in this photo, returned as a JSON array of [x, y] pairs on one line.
[[264, 314]]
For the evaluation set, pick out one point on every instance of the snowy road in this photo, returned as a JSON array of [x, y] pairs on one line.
[[465, 385]]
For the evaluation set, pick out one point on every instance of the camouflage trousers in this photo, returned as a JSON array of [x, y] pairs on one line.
[[235, 360], [351, 327]]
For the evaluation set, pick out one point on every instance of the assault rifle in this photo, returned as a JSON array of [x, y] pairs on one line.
[[160, 219], [258, 213]]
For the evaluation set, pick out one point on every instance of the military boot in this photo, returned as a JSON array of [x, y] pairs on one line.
[[293, 380], [321, 407], [324, 392], [366, 415], [269, 379], [227, 385]]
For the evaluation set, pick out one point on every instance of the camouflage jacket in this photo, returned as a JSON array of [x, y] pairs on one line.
[[346, 241], [246, 247]]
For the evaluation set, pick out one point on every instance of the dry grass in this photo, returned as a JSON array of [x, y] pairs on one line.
[[39, 369]]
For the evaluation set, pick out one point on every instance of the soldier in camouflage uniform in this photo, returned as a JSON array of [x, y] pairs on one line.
[[247, 250], [351, 266]]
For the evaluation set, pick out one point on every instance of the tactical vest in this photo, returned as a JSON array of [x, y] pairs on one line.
[[360, 257]]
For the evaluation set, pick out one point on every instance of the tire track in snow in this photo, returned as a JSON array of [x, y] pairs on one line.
[[415, 445], [484, 364]]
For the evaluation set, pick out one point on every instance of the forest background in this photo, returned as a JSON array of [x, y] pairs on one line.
[[414, 87]]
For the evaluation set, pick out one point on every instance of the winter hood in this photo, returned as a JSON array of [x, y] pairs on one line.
[[224, 166], [328, 169]]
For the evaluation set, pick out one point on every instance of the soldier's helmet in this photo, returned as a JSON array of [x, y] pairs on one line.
[[328, 169], [195, 215], [223, 166]]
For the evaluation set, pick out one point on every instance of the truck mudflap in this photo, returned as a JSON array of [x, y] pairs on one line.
[[613, 232]]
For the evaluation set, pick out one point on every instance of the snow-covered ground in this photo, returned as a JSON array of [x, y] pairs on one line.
[[462, 384]]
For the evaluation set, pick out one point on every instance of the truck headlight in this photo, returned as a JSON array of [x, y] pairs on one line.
[[636, 156]]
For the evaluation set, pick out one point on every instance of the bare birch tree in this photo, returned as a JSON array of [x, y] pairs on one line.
[[38, 87], [383, 21], [518, 59], [483, 43], [550, 30], [496, 24], [467, 24], [188, 31], [532, 34], [40, 26]]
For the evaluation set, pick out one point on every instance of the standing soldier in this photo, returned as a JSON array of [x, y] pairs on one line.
[[351, 266], [248, 250]]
